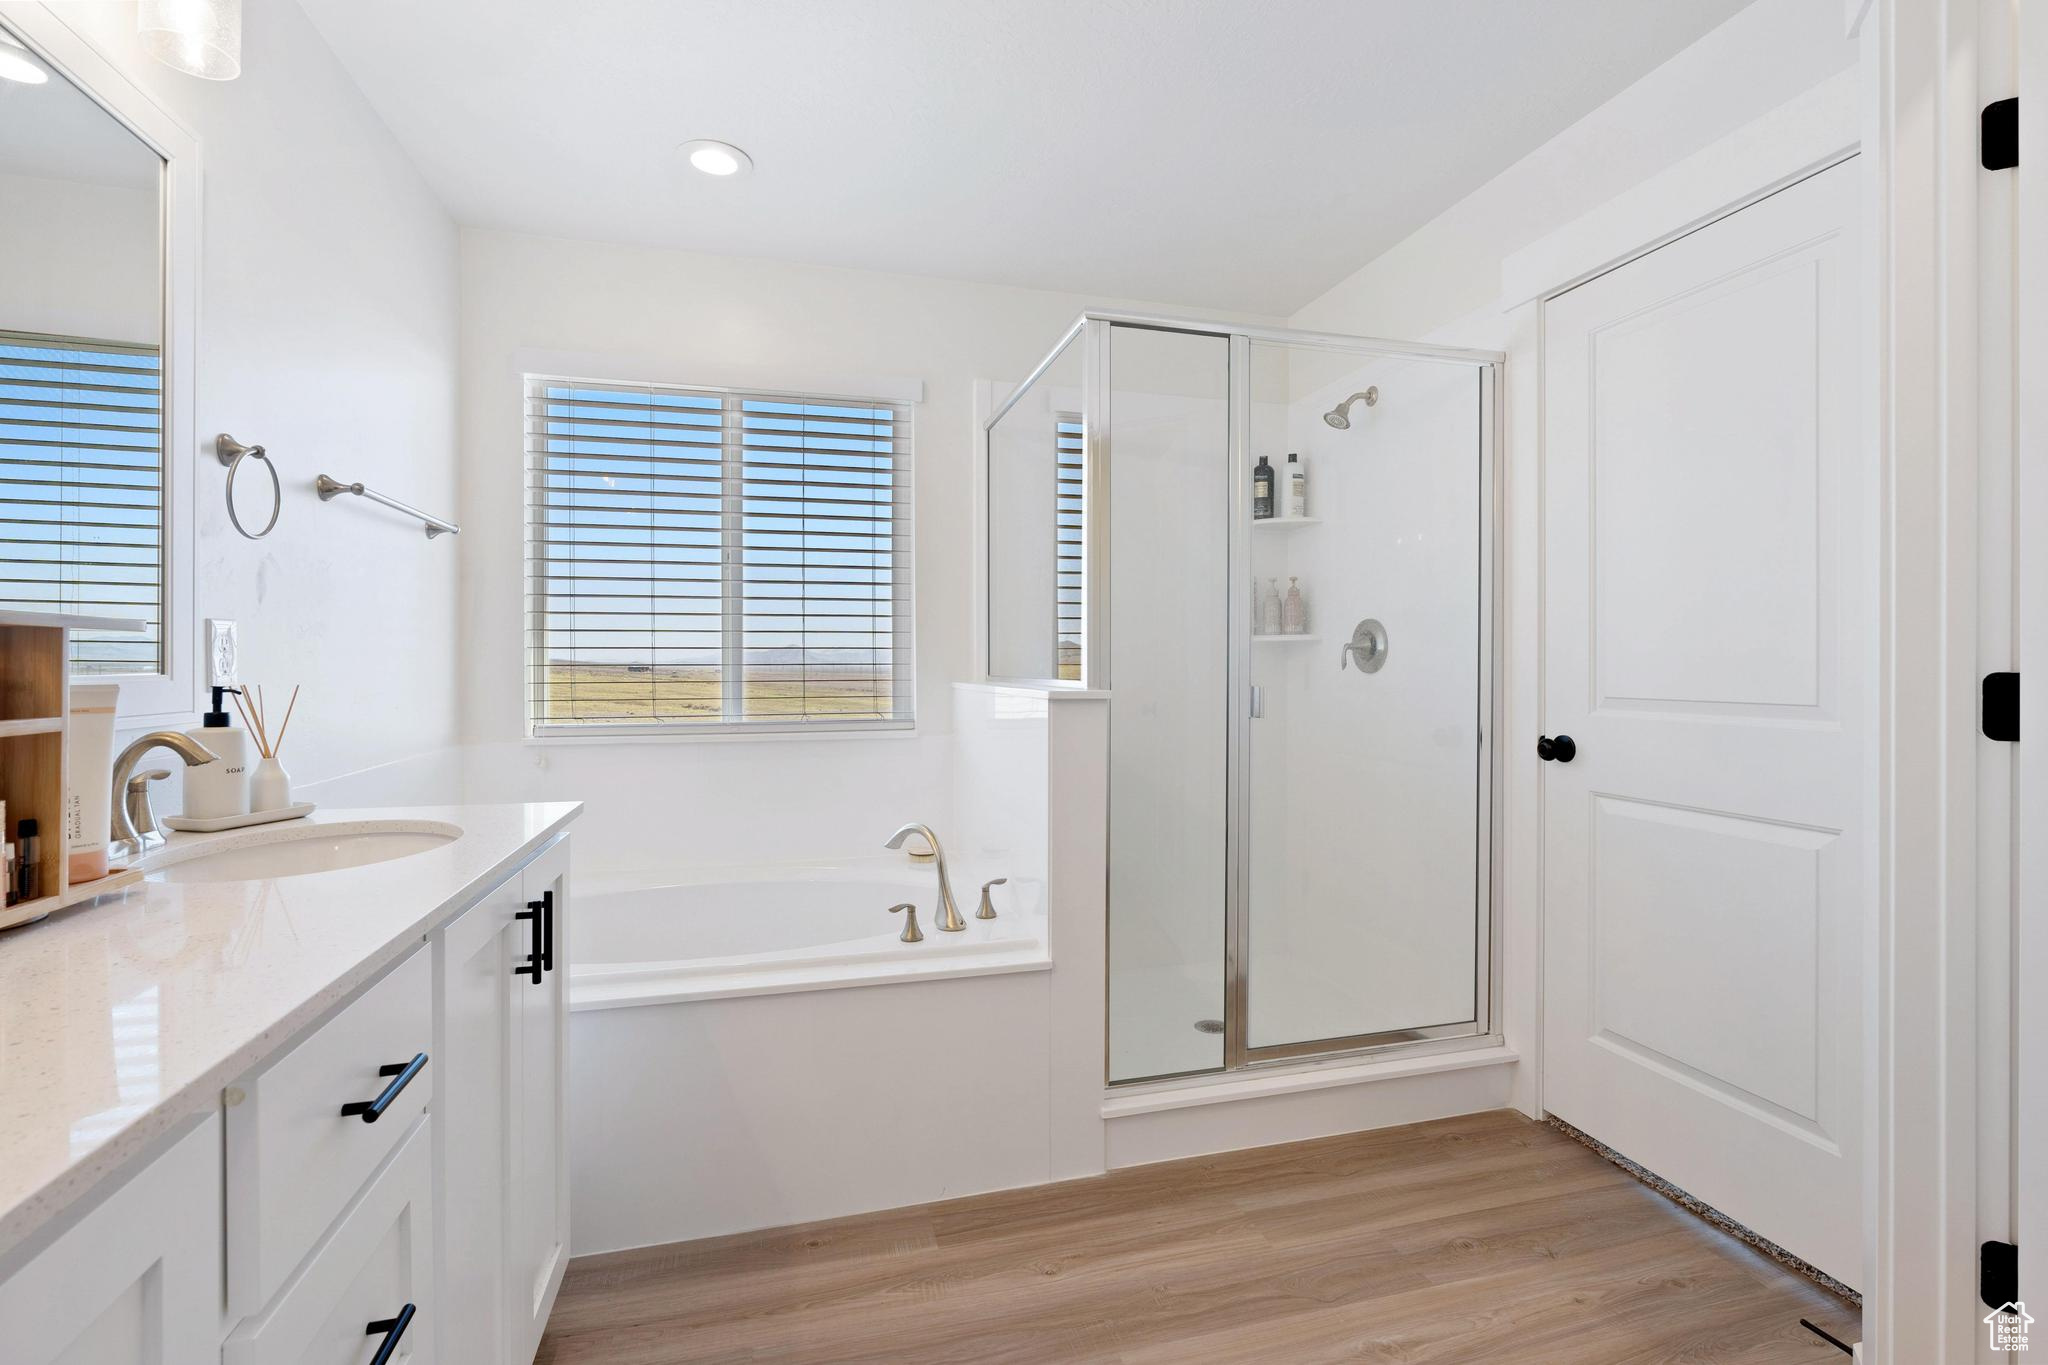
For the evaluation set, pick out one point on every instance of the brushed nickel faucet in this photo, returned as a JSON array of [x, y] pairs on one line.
[[949, 913], [911, 933], [988, 907], [135, 831]]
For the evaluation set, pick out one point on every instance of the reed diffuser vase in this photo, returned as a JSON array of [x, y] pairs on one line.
[[270, 786]]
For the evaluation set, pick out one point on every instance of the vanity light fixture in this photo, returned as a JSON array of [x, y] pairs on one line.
[[17, 65], [199, 37], [717, 158]]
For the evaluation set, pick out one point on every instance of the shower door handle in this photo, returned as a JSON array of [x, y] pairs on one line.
[[1258, 702]]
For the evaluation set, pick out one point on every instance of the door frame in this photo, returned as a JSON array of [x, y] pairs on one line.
[[1921, 112], [2030, 903]]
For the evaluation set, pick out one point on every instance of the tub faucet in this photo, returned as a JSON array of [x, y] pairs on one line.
[[949, 913]]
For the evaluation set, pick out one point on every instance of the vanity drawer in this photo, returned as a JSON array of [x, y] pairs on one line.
[[294, 1158], [375, 1271]]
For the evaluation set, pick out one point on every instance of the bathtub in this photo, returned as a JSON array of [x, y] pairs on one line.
[[772, 931]]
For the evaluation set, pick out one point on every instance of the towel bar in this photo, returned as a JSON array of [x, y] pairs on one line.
[[329, 489]]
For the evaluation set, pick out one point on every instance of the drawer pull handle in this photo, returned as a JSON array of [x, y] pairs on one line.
[[540, 958], [393, 1329], [534, 964], [401, 1074], [546, 906]]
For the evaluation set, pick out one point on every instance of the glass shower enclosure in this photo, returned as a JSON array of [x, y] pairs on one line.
[[1299, 673]]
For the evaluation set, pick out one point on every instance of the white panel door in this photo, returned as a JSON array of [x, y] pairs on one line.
[[1708, 597]]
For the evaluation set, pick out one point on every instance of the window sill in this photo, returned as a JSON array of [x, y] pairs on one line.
[[727, 735]]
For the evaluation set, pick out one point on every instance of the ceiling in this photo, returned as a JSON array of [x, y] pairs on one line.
[[1234, 154]]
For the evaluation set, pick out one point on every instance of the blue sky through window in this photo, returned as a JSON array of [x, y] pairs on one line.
[[81, 490]]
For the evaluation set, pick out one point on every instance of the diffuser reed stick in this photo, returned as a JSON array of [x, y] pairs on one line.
[[254, 717], [286, 723]]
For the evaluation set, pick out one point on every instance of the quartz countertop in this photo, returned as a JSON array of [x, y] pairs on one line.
[[124, 1016]]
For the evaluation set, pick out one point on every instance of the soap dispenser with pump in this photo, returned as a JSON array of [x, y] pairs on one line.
[[213, 790]]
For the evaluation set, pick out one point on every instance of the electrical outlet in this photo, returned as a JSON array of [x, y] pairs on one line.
[[223, 654]]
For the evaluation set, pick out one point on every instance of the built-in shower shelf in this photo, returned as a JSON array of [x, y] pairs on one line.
[[1285, 639], [1273, 523]]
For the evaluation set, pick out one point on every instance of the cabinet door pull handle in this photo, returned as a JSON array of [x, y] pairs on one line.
[[546, 907], [534, 964], [401, 1074], [392, 1329]]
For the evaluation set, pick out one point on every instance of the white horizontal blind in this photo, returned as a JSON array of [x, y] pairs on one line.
[[81, 491], [709, 558], [1070, 530]]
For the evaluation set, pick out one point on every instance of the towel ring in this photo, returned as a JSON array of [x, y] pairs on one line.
[[232, 453]]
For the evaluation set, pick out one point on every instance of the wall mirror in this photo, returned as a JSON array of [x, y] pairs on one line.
[[87, 504]]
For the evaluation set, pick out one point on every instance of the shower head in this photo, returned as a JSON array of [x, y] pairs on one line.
[[1340, 416]]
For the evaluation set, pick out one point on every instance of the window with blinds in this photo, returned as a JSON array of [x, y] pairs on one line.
[[708, 558], [1067, 524], [81, 491]]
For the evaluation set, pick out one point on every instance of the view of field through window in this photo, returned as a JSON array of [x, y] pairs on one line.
[[705, 556]]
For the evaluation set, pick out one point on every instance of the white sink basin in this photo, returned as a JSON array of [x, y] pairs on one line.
[[301, 852]]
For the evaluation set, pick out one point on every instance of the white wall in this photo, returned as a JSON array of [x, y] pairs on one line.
[[91, 253], [650, 313], [1450, 269], [327, 331]]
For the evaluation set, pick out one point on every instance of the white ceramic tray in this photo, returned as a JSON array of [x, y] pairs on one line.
[[187, 825]]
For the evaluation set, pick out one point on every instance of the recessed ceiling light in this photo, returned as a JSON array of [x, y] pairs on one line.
[[717, 158], [17, 65]]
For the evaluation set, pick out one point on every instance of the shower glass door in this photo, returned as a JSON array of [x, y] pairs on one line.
[[1363, 776]]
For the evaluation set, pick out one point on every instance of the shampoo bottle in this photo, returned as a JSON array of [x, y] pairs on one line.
[[213, 790], [1262, 491], [1297, 487]]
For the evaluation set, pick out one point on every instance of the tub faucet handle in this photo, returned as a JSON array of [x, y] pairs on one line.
[[988, 908], [911, 933]]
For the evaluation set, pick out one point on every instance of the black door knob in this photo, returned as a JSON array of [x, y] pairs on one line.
[[1563, 749]]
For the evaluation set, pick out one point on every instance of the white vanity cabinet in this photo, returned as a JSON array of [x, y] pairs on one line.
[[138, 1279], [395, 1174], [504, 1192]]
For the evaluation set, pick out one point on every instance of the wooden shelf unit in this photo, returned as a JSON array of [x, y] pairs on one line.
[[35, 709]]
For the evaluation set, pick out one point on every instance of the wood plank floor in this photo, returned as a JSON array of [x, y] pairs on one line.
[[1486, 1238]]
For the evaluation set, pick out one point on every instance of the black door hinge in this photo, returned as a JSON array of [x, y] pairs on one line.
[[2001, 719], [1999, 135], [1998, 1274]]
